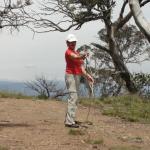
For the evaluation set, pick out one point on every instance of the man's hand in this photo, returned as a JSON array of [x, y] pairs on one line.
[[90, 78], [84, 55]]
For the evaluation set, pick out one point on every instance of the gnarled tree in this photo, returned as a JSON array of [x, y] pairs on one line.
[[62, 15], [46, 89], [132, 46]]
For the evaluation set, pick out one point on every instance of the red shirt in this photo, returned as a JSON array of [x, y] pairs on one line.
[[73, 65]]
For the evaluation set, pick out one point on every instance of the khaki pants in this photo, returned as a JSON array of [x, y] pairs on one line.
[[72, 83]]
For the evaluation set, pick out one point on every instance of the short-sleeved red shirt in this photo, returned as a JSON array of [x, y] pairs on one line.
[[73, 66]]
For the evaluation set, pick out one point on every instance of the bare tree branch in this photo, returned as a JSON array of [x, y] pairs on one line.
[[101, 47], [45, 88], [123, 9], [11, 14]]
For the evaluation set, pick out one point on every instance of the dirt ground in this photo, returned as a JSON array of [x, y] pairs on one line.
[[39, 125]]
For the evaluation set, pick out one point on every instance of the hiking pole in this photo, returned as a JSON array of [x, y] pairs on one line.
[[91, 94], [89, 85]]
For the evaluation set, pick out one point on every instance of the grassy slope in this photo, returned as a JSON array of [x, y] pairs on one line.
[[130, 107]]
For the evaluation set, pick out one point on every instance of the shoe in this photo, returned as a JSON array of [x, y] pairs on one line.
[[78, 122], [72, 125]]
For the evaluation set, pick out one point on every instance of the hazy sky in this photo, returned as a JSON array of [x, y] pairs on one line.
[[23, 58]]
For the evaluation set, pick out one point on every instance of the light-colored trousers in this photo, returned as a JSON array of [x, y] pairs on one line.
[[72, 83]]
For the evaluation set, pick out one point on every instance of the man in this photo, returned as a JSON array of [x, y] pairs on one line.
[[74, 70]]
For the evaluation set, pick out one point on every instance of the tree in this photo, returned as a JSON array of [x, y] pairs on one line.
[[46, 89], [12, 14], [133, 49], [131, 43], [139, 18], [62, 15], [143, 83], [132, 46]]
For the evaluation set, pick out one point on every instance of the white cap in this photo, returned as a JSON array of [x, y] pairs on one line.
[[71, 38]]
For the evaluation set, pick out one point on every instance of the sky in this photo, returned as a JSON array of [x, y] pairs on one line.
[[23, 58]]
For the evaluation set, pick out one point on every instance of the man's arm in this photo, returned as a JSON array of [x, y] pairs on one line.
[[87, 75], [78, 56]]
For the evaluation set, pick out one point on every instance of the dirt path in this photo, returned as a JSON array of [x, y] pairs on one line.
[[38, 125]]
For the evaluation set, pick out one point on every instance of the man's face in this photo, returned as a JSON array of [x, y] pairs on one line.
[[71, 45]]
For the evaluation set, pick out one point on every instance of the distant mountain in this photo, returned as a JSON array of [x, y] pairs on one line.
[[18, 87]]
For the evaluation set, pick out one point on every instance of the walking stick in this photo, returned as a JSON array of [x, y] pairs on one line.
[[91, 95], [90, 89]]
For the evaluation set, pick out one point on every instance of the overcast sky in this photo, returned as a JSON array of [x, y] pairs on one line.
[[23, 58]]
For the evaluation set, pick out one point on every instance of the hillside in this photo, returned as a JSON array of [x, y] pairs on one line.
[[38, 125]]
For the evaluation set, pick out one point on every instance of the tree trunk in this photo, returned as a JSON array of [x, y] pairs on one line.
[[139, 18], [124, 72], [118, 61]]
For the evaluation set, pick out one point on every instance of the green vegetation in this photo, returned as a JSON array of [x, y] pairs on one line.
[[130, 107], [3, 148], [99, 141], [44, 97], [76, 132], [6, 94], [92, 102]]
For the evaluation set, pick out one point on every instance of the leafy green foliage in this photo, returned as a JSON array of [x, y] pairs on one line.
[[131, 44], [142, 82], [130, 41]]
